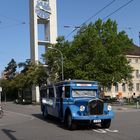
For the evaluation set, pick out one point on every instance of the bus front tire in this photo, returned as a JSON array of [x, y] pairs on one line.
[[106, 123], [70, 124]]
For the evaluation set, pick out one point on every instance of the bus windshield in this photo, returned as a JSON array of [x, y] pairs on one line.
[[83, 93]]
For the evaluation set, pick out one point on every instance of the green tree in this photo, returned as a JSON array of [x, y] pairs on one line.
[[31, 74], [24, 65], [9, 90], [37, 74], [96, 53], [53, 59], [10, 70]]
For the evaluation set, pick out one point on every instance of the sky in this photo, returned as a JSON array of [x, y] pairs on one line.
[[15, 31]]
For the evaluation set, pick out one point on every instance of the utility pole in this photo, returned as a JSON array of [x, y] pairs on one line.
[[62, 62]]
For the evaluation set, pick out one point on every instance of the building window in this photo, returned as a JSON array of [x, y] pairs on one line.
[[129, 60], [136, 60], [109, 88], [137, 86], [123, 87], [137, 74], [130, 86], [116, 88]]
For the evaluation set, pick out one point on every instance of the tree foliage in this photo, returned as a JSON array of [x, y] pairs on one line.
[[96, 53], [10, 70], [53, 59], [30, 74]]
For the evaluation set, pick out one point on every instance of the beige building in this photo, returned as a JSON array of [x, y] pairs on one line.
[[127, 90]]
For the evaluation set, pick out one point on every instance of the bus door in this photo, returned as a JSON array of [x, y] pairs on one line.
[[65, 97], [55, 103], [51, 100], [64, 94], [59, 101]]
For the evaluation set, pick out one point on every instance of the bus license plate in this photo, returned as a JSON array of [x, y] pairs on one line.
[[96, 121]]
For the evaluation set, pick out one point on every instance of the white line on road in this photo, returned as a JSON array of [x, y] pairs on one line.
[[99, 131], [103, 131], [113, 131]]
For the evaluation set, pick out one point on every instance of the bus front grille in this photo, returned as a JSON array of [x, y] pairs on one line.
[[96, 107]]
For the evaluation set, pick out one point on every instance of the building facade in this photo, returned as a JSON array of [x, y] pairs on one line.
[[125, 89]]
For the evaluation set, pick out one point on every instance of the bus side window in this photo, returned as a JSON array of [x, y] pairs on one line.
[[51, 93], [67, 91]]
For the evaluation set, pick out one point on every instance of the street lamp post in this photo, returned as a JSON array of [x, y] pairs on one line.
[[47, 72], [62, 59], [0, 94]]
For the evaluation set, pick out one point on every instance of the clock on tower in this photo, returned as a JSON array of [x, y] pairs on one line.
[[42, 9]]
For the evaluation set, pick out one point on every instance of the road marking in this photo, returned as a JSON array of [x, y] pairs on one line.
[[103, 131], [99, 131], [113, 131]]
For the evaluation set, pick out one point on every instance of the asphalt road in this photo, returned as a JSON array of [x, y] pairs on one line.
[[25, 122]]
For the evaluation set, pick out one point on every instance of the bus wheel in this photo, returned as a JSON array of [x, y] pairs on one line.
[[105, 123], [70, 124]]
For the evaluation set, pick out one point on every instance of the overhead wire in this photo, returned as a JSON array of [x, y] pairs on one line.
[[124, 5], [91, 17], [130, 29], [12, 25], [10, 18], [98, 12], [118, 9], [17, 22]]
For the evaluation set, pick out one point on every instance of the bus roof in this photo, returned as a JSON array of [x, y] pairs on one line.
[[75, 81]]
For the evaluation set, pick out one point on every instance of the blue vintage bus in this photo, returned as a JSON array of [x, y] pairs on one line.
[[75, 101]]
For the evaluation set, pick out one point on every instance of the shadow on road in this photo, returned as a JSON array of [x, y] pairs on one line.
[[9, 134], [60, 124], [50, 119]]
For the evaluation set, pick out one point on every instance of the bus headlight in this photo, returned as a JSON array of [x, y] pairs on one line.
[[109, 107], [82, 108]]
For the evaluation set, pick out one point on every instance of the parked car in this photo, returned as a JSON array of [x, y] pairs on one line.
[[107, 99]]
